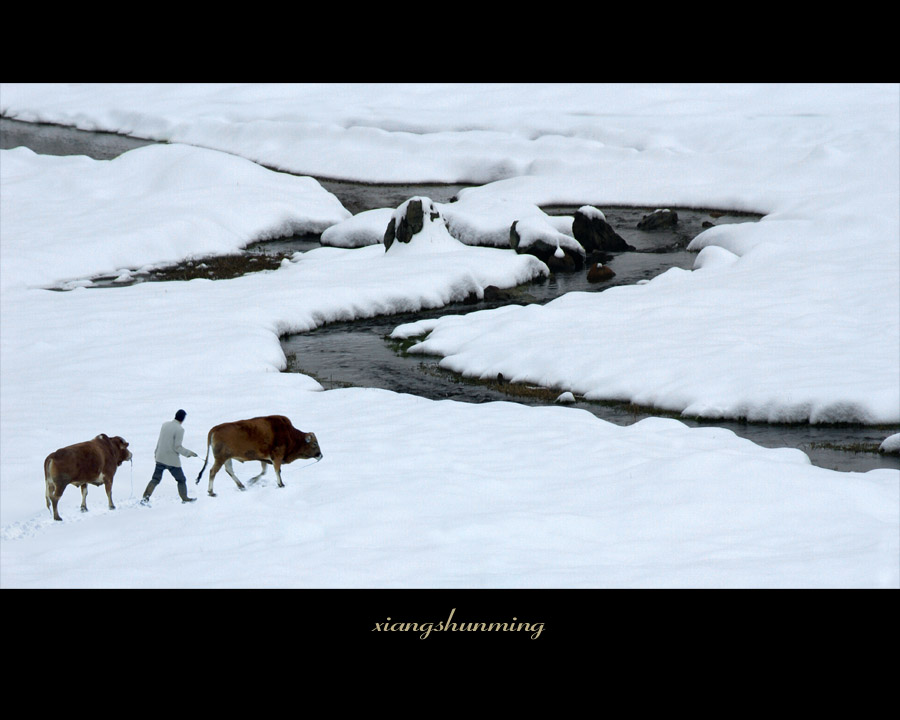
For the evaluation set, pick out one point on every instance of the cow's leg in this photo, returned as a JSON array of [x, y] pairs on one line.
[[276, 463], [212, 476], [53, 495], [50, 496], [215, 469], [54, 499], [257, 477], [84, 498], [230, 470], [108, 483]]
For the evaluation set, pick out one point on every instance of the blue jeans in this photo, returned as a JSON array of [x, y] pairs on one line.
[[176, 471]]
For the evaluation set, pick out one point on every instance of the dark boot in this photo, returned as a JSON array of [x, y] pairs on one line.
[[182, 492], [151, 486]]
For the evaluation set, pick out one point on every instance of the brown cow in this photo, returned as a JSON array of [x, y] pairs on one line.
[[272, 440], [88, 463]]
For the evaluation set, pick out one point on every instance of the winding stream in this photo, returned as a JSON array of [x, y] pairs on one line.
[[360, 353]]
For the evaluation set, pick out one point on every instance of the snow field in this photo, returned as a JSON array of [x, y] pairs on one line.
[[795, 317]]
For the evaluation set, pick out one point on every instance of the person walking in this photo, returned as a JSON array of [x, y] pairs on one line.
[[168, 450]]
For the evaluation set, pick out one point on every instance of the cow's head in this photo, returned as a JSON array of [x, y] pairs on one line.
[[307, 447], [121, 449]]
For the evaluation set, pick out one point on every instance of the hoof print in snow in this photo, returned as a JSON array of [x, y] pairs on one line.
[[590, 228], [546, 244], [599, 273], [658, 220]]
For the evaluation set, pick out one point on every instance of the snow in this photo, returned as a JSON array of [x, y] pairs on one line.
[[891, 444], [479, 219], [103, 216], [712, 256], [591, 212], [364, 228], [734, 344], [795, 317]]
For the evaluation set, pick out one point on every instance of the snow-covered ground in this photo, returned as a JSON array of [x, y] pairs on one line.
[[795, 317]]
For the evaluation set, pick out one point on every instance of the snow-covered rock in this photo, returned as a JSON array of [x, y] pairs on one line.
[[891, 444], [594, 233], [418, 224], [535, 236], [659, 219], [600, 273]]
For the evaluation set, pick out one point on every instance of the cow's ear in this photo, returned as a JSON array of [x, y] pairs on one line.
[[307, 437], [102, 436]]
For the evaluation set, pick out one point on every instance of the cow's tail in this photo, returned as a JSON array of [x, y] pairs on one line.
[[206, 459]]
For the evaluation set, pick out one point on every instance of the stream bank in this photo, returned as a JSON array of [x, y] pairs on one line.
[[359, 353]]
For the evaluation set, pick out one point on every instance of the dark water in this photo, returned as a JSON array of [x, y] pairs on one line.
[[256, 257], [60, 140], [359, 353], [357, 197]]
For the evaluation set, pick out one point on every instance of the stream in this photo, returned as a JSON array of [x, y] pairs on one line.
[[360, 354]]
